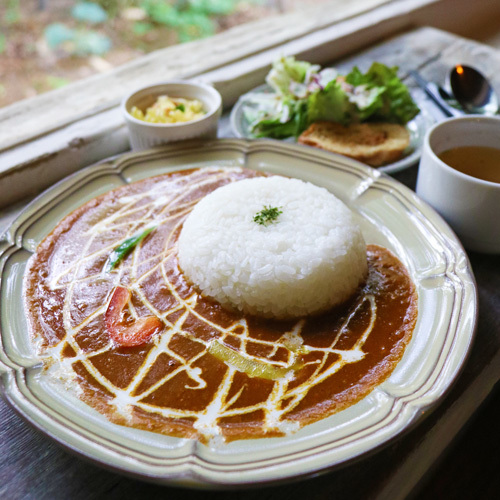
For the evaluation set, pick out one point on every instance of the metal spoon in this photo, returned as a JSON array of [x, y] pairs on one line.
[[473, 91]]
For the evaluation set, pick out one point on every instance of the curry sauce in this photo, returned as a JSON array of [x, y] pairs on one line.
[[208, 373]]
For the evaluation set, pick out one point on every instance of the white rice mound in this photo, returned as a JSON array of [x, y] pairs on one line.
[[311, 258]]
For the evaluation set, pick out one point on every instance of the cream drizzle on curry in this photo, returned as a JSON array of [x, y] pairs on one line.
[[201, 372]]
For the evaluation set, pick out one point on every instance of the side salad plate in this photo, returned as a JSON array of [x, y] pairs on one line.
[[297, 94], [389, 214], [248, 103]]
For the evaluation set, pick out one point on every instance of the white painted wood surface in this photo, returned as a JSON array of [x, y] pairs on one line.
[[53, 110]]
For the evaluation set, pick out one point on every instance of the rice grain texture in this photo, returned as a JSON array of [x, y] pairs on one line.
[[311, 258]]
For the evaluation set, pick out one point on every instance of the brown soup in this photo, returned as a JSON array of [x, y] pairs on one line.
[[477, 161]]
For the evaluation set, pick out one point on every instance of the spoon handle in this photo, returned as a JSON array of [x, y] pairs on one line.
[[432, 90]]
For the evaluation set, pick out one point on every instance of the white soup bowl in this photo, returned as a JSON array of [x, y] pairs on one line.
[[470, 205]]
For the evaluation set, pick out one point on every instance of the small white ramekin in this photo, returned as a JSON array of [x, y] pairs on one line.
[[144, 135]]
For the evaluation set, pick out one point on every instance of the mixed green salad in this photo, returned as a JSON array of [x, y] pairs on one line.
[[303, 93]]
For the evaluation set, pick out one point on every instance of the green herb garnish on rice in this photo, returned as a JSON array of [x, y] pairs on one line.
[[267, 215]]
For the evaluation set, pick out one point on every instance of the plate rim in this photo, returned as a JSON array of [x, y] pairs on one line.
[[194, 472]]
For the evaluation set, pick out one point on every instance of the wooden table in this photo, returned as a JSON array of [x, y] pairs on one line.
[[32, 466]]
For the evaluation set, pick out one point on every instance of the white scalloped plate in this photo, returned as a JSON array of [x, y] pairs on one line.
[[390, 215]]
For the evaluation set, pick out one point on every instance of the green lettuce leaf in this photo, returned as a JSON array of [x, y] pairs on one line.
[[287, 70], [395, 103], [274, 126], [303, 97], [330, 104]]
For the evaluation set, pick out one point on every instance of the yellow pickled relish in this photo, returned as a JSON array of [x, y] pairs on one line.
[[170, 110]]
